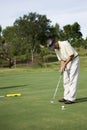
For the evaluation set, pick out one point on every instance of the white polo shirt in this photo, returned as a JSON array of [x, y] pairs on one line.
[[65, 50]]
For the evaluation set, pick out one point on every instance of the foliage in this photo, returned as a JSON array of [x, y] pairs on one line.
[[5, 53], [32, 30], [72, 32]]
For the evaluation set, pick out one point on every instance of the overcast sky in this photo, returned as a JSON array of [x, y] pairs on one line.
[[62, 12]]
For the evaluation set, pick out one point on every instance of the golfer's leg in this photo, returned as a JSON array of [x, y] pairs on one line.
[[74, 72], [66, 84]]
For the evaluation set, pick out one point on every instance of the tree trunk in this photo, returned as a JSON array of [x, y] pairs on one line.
[[32, 56]]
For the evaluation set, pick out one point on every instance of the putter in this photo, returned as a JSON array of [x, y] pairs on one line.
[[52, 100]]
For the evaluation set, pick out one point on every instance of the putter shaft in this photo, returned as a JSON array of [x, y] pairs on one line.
[[57, 87]]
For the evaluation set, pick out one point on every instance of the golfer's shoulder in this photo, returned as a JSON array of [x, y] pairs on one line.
[[64, 43]]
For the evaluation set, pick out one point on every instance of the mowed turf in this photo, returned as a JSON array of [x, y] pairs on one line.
[[33, 110]]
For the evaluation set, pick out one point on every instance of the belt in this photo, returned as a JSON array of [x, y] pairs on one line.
[[75, 57]]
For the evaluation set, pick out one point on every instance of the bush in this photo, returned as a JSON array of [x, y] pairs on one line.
[[50, 58]]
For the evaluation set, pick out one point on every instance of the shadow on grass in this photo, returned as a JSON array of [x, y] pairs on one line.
[[84, 99], [8, 87]]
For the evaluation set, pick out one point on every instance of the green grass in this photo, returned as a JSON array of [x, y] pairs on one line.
[[33, 110]]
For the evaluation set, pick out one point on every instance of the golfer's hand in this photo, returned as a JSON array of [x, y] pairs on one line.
[[62, 69]]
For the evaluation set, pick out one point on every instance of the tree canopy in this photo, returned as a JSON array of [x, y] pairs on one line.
[[32, 30]]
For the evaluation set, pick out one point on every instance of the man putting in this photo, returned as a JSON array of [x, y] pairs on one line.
[[69, 61]]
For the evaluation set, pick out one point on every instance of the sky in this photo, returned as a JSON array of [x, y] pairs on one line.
[[62, 12]]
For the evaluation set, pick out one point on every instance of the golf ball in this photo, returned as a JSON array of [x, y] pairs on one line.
[[63, 108], [51, 101]]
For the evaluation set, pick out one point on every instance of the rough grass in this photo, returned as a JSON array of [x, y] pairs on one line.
[[33, 110]]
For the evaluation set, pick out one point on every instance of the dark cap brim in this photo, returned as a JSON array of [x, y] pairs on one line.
[[52, 47], [50, 44]]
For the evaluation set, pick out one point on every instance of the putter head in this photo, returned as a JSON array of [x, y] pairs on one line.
[[51, 101]]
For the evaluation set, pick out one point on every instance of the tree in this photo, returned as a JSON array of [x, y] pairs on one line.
[[72, 32], [8, 45], [75, 30], [4, 53], [31, 30], [68, 32]]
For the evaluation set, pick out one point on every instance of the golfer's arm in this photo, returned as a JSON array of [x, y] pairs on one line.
[[64, 63], [69, 59]]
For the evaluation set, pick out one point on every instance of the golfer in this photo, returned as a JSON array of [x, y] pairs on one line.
[[69, 66]]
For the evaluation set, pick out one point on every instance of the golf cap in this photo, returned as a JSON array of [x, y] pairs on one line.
[[50, 44]]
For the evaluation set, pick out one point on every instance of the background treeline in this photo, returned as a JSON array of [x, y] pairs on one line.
[[25, 41]]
